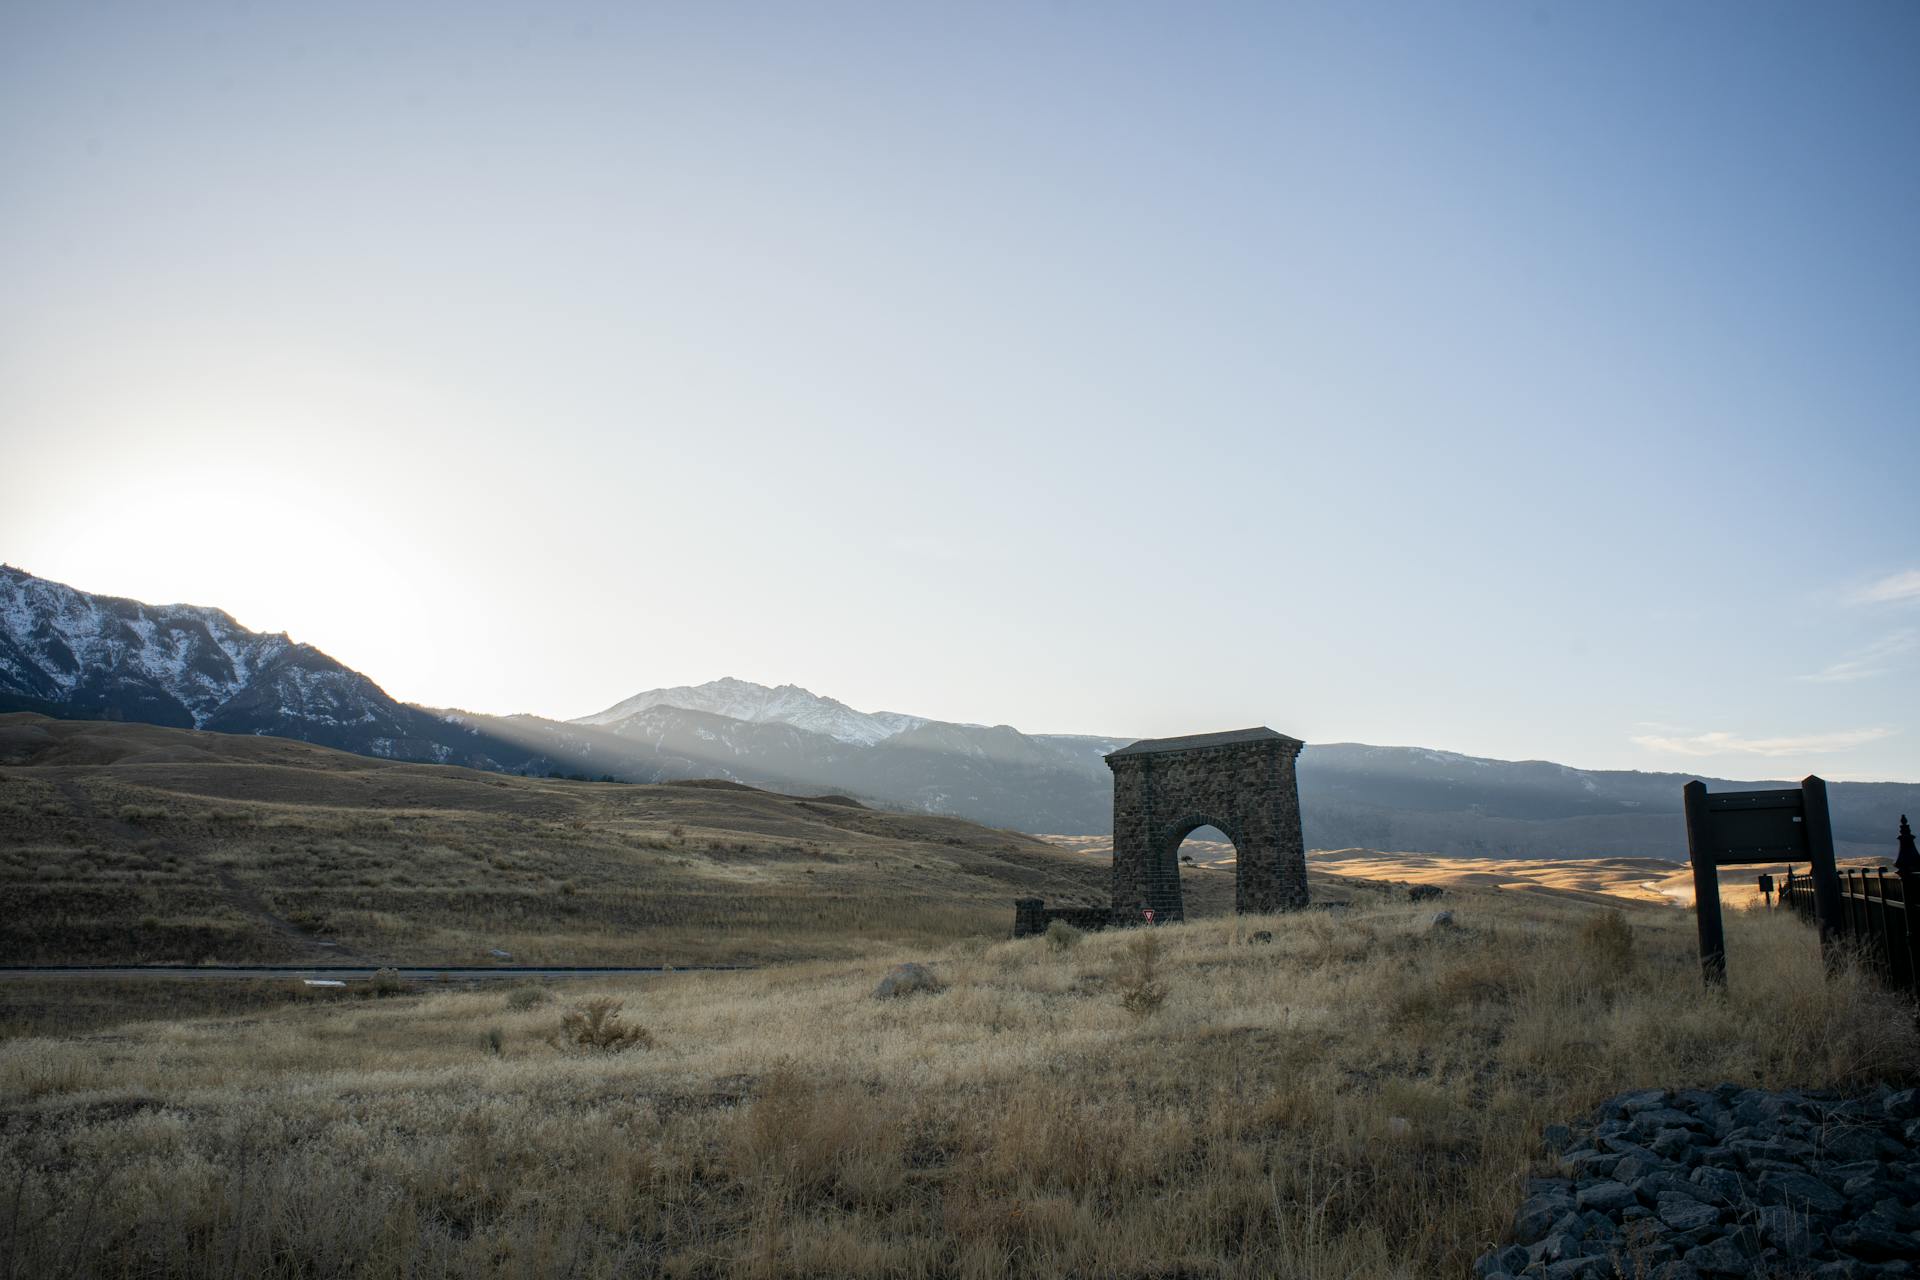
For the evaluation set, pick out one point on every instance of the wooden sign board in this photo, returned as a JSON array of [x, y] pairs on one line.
[[1757, 826], [1735, 828]]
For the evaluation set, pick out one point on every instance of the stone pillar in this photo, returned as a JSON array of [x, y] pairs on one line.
[[1273, 865], [1132, 840]]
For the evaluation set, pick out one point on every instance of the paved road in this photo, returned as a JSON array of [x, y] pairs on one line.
[[342, 972]]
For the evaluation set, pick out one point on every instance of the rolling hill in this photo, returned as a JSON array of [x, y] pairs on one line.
[[138, 843]]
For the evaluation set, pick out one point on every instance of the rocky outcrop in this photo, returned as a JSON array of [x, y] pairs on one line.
[[1697, 1184]]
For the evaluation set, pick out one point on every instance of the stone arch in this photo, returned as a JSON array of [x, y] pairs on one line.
[[1241, 782]]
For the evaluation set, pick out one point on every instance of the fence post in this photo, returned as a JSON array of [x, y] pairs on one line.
[[1877, 914], [1706, 885], [1820, 866], [1906, 865], [1893, 934], [1853, 904]]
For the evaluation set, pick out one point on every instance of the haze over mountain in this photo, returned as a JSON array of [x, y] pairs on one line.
[[67, 653]]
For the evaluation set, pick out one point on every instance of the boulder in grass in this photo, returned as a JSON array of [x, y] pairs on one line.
[[1606, 1197], [1720, 1257], [906, 979], [1684, 1213], [1537, 1216], [1723, 1186], [1801, 1191], [1874, 1237]]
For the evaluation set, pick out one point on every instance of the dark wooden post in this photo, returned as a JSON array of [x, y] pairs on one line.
[[1906, 865], [1875, 919], [1766, 888], [1706, 885], [1820, 865]]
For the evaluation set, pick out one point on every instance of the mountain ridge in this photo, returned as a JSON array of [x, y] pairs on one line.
[[66, 653], [75, 655], [758, 703]]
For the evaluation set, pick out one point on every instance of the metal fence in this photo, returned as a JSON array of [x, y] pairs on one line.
[[1879, 912]]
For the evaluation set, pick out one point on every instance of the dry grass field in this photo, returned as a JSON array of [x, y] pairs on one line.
[[1360, 1097], [124, 842]]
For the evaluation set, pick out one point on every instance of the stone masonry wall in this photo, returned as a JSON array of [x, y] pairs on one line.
[[1031, 916]]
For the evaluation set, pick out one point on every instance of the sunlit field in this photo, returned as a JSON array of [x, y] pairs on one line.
[[1360, 1097]]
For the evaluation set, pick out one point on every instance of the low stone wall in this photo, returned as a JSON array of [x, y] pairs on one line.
[[1031, 916], [1729, 1182]]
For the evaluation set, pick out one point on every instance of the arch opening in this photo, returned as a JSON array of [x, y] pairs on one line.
[[1207, 862]]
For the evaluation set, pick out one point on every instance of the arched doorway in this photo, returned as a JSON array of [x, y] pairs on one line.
[[1207, 861]]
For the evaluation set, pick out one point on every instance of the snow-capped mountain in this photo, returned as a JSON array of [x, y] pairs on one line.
[[757, 704], [70, 654], [180, 663], [790, 738]]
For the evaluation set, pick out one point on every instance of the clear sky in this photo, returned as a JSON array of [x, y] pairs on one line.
[[1525, 380]]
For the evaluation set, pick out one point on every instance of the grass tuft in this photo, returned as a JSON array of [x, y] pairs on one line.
[[1607, 939], [1136, 978]]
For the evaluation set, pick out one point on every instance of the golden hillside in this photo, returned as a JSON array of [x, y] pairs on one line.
[[124, 842]]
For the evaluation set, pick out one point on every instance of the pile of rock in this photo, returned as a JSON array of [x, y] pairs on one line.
[[1726, 1182]]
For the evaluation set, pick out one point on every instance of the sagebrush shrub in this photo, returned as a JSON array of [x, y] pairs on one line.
[[597, 1024], [1062, 936], [1138, 978], [521, 999], [1607, 939], [386, 982]]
